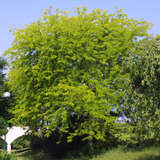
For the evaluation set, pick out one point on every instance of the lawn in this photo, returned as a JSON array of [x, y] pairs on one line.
[[29, 155], [149, 153]]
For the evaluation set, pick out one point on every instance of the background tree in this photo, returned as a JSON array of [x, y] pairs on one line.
[[66, 71], [3, 101], [142, 98]]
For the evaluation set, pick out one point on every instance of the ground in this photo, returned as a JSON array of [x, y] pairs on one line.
[[148, 153]]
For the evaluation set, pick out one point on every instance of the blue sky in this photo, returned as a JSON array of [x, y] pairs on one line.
[[17, 13]]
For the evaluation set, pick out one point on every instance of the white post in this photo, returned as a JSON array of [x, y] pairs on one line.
[[9, 147]]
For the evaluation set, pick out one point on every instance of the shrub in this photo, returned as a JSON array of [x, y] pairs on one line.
[[21, 142]]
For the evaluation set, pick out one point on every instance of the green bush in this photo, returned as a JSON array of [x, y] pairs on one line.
[[21, 142], [2, 143], [6, 156]]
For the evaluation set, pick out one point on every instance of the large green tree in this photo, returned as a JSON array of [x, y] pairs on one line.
[[142, 98], [66, 71]]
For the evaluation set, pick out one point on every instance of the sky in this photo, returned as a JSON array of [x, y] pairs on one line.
[[17, 13]]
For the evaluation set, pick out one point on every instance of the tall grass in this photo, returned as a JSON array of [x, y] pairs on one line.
[[4, 155]]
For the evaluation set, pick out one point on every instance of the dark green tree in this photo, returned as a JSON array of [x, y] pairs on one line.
[[66, 71], [3, 99], [142, 98]]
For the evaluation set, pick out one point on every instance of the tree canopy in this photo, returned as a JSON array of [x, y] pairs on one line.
[[142, 99], [66, 71]]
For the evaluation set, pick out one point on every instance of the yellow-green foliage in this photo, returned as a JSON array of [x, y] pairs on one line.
[[66, 71]]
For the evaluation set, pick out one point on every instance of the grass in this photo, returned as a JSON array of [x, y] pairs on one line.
[[149, 153], [29, 155]]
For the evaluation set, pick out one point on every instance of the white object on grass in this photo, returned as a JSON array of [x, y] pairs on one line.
[[12, 134]]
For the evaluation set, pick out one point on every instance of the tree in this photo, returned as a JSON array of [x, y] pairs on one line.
[[142, 99], [3, 103], [66, 71]]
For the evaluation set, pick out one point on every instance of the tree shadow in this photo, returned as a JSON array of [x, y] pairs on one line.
[[149, 157], [34, 156]]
